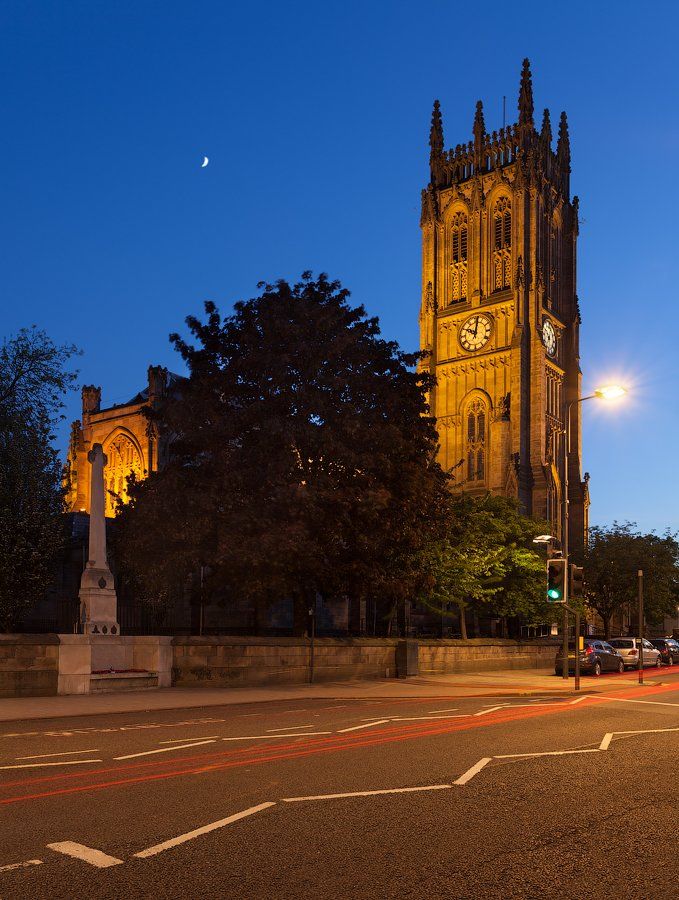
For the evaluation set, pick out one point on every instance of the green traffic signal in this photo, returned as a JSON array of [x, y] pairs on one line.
[[556, 580]]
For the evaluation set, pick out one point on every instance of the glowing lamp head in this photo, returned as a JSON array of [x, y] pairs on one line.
[[610, 392]]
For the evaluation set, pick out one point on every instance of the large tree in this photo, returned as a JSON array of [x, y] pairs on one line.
[[614, 556], [302, 461], [486, 560], [34, 377]]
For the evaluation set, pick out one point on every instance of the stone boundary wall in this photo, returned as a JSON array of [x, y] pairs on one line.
[[484, 655], [224, 661], [240, 661], [29, 665], [47, 664]]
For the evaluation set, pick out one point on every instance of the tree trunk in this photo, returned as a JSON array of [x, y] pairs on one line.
[[607, 626], [463, 623]]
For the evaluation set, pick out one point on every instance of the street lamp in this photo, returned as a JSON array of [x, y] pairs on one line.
[[607, 392]]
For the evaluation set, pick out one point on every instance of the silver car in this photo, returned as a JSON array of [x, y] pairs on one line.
[[628, 648]]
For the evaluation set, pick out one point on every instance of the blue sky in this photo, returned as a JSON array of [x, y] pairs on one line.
[[315, 117]]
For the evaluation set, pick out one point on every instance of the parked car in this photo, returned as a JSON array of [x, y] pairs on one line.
[[669, 650], [596, 657], [628, 648]]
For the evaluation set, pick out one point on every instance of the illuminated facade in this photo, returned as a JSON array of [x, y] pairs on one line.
[[499, 316], [126, 436]]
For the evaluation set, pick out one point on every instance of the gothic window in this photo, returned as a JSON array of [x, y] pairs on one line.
[[502, 244], [123, 459], [476, 441], [458, 258]]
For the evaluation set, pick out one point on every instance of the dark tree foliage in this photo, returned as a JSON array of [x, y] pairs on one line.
[[613, 558], [303, 458], [33, 380]]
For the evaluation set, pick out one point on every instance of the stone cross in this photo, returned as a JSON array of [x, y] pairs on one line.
[[97, 591]]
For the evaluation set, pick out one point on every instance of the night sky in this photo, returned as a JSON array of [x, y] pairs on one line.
[[315, 117]]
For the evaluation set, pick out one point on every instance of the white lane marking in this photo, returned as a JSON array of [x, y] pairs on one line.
[[646, 702], [406, 790], [86, 854], [475, 769], [290, 728], [647, 731], [452, 709], [65, 753], [418, 718], [580, 699], [21, 865], [205, 737], [164, 750], [206, 829], [606, 741], [492, 709], [547, 753], [268, 737], [62, 762], [367, 725]]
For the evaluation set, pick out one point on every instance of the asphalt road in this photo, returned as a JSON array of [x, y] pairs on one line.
[[437, 799]]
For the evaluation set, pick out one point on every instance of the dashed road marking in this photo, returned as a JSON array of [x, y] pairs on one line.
[[290, 727], [21, 865], [474, 770], [452, 709], [206, 737], [65, 753], [61, 762], [606, 742], [87, 854], [198, 832], [485, 712], [419, 718], [366, 725], [405, 790], [545, 753], [164, 749], [265, 737], [645, 702]]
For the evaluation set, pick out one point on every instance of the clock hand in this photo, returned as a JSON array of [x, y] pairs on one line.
[[476, 327]]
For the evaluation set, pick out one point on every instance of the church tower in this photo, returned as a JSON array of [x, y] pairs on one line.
[[499, 318]]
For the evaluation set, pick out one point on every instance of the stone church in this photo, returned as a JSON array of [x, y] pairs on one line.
[[499, 316], [126, 437]]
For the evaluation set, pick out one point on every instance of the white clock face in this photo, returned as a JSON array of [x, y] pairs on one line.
[[475, 332], [549, 337]]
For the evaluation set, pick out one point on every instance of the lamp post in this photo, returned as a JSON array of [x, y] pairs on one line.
[[609, 392]]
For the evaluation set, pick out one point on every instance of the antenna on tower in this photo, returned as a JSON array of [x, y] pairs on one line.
[[504, 110]]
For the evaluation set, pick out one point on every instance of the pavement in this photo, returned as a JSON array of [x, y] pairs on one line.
[[533, 682], [541, 795]]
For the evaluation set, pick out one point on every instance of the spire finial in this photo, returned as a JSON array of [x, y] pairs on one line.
[[563, 145], [479, 129], [546, 131], [436, 131], [526, 97]]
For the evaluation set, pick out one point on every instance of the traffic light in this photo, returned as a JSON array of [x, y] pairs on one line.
[[577, 581], [556, 580]]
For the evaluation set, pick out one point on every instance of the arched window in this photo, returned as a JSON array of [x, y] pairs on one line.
[[458, 259], [476, 440], [502, 244], [123, 459]]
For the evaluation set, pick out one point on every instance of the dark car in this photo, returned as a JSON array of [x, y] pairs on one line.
[[595, 658], [669, 650]]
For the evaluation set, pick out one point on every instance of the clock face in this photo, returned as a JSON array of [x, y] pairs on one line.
[[549, 337], [475, 332]]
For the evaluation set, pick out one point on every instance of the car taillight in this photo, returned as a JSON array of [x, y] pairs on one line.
[[634, 653], [589, 649]]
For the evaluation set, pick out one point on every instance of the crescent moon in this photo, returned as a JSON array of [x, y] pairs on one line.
[[205, 162]]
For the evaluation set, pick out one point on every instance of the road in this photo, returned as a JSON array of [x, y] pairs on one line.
[[482, 797]]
